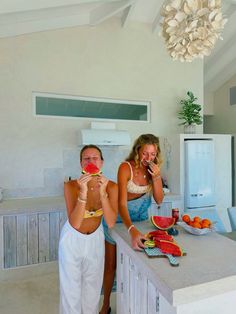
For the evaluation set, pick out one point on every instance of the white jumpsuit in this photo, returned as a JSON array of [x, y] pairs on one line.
[[81, 267]]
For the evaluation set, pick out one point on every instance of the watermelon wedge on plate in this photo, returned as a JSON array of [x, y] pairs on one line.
[[169, 247], [162, 222], [91, 169]]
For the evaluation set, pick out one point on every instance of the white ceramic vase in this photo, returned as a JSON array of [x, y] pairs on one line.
[[190, 129]]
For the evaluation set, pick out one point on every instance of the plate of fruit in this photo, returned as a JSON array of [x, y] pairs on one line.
[[196, 225]]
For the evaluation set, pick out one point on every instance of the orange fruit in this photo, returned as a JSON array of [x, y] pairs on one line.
[[205, 225], [196, 224], [186, 218], [205, 220], [197, 219], [190, 223]]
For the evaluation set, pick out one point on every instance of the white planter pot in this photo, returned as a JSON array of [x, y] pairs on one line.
[[190, 129]]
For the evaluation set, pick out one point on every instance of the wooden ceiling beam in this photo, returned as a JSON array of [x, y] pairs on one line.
[[126, 15], [107, 10]]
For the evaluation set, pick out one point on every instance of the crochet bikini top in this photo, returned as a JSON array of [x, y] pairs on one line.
[[133, 187]]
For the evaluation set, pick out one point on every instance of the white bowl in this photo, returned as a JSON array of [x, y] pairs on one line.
[[195, 231]]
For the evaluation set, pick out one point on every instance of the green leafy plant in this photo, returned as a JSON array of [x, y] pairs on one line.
[[190, 112]]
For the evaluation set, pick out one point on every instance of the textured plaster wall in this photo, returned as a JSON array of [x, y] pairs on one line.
[[104, 61]]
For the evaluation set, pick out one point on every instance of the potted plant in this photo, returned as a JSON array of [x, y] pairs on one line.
[[190, 113]]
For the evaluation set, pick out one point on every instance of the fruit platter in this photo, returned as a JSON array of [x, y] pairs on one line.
[[196, 225]]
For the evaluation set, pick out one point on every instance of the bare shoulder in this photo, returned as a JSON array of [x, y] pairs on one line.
[[112, 185], [70, 185], [124, 170], [124, 166]]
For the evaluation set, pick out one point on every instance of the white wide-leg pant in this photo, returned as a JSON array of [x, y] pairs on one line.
[[81, 267]]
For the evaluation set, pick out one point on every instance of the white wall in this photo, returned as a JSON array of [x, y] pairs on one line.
[[104, 61], [224, 115], [223, 120]]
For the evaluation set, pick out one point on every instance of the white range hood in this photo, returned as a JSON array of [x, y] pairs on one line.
[[104, 134]]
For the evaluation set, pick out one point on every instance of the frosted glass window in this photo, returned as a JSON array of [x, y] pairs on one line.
[[89, 107]]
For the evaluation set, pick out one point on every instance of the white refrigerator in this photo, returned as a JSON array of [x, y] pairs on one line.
[[198, 167], [199, 173]]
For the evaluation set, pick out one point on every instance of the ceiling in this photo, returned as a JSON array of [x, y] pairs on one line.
[[27, 16]]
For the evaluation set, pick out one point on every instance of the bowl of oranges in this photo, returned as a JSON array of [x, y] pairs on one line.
[[196, 225]]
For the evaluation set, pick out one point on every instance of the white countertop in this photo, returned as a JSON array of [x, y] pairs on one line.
[[208, 269], [36, 204], [30, 205]]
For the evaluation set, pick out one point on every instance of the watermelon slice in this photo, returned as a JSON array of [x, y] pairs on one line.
[[168, 247], [163, 223], [166, 237], [159, 235], [91, 169], [155, 233]]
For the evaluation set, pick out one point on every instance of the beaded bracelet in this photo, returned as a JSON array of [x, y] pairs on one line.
[[81, 201], [156, 178], [130, 227]]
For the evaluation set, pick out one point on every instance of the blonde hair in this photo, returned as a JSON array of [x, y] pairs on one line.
[[145, 139]]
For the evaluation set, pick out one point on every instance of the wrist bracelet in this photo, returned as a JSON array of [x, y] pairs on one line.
[[130, 227], [156, 178], [104, 196], [81, 201]]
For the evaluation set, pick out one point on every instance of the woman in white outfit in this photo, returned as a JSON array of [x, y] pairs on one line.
[[81, 246]]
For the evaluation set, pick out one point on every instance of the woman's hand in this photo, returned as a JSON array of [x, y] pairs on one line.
[[137, 239], [83, 184], [102, 182], [154, 170]]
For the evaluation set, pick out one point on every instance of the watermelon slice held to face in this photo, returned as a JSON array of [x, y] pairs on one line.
[[162, 222], [91, 169]]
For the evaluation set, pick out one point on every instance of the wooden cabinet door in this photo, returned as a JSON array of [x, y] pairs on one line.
[[22, 240], [138, 290], [33, 240], [43, 222], [122, 283], [54, 234], [152, 299], [9, 232]]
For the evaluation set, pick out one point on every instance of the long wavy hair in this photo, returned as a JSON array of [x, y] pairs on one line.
[[145, 139]]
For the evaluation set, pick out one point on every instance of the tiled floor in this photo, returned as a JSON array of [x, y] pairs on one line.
[[35, 296]]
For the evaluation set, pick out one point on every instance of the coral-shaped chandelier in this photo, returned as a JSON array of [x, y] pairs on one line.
[[191, 27]]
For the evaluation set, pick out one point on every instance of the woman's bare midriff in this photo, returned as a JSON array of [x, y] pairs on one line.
[[89, 225]]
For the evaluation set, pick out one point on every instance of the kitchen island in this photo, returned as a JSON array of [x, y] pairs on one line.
[[203, 283]]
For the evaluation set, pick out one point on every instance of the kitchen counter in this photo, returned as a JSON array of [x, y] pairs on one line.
[[31, 205], [206, 276], [26, 205]]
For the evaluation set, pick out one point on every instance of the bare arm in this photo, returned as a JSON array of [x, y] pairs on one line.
[[123, 177], [136, 236], [75, 203], [156, 182], [109, 200]]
